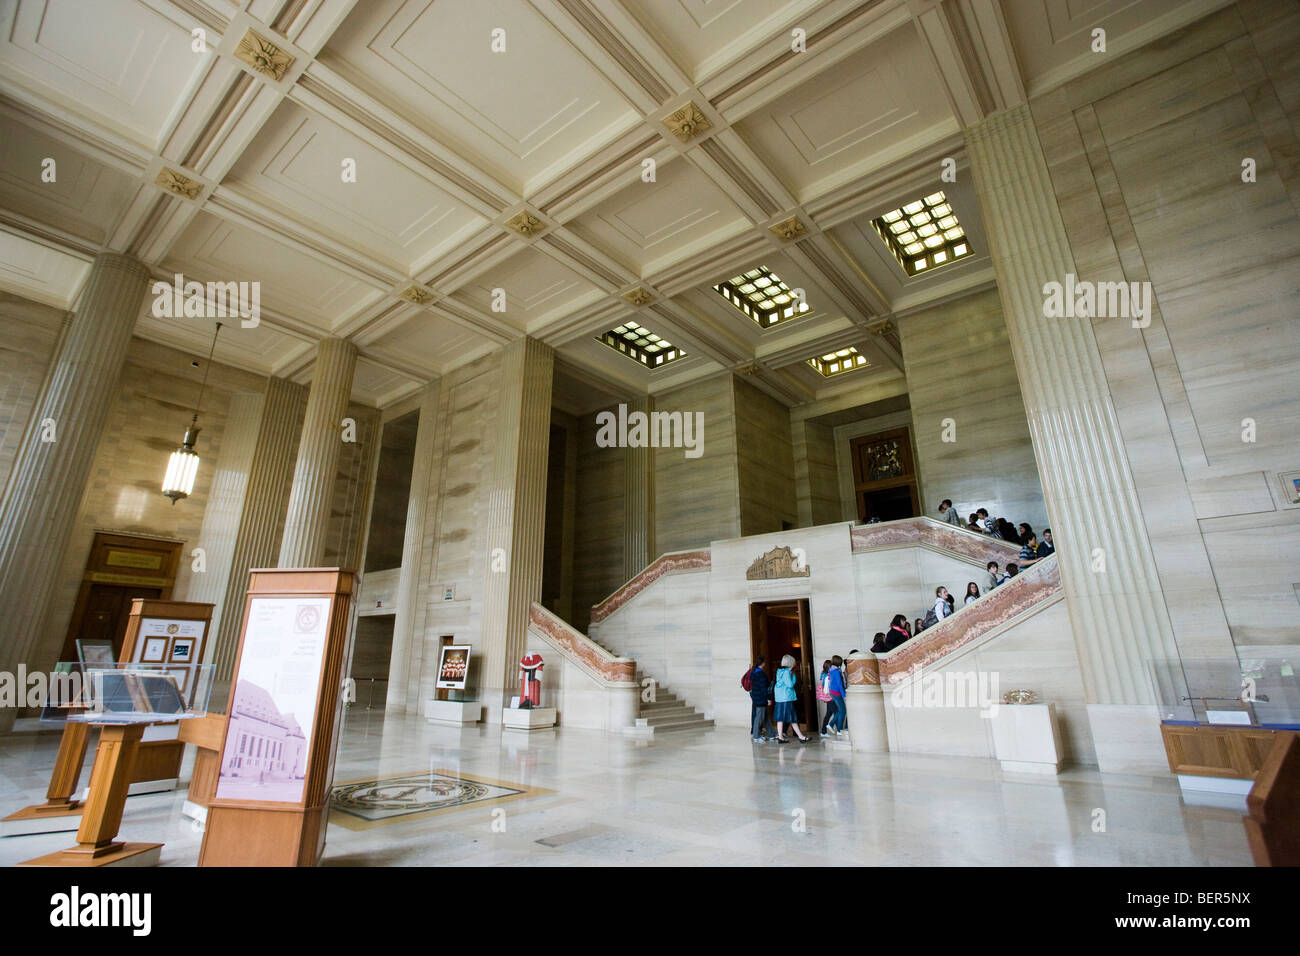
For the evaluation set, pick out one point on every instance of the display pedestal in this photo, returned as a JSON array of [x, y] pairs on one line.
[[102, 814], [456, 713], [1026, 738], [536, 718]]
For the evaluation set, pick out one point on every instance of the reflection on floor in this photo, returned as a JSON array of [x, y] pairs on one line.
[[366, 803], [712, 798]]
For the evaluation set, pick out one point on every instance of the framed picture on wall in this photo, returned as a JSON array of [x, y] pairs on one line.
[[1290, 486], [155, 650], [453, 667], [182, 650], [95, 651]]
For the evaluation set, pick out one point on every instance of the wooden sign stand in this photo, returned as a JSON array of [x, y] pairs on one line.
[[153, 759], [102, 816], [264, 813]]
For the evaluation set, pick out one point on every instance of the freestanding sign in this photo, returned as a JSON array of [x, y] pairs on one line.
[[277, 754]]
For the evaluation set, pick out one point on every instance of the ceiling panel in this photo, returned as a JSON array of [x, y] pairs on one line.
[[260, 349], [876, 105], [297, 163], [431, 342], [38, 272], [320, 295], [85, 197], [649, 226], [526, 114], [128, 70], [538, 289]]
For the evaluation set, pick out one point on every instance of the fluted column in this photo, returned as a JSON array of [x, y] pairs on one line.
[[1116, 606], [220, 532], [49, 476], [638, 501], [261, 520], [516, 519], [405, 636], [307, 523]]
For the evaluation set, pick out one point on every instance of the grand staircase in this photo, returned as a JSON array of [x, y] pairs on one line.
[[666, 714]]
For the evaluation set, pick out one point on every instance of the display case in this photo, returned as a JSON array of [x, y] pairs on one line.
[[1220, 718]]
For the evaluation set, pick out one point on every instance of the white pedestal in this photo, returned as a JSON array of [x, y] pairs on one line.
[[1026, 738], [455, 713], [62, 823], [537, 718]]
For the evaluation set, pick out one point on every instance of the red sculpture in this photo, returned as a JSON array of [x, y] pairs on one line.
[[530, 687]]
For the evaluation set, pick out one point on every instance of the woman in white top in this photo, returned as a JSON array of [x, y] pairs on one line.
[[972, 592]]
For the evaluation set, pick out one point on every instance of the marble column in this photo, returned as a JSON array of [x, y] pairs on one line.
[[307, 523], [221, 517], [54, 460], [1117, 610], [638, 501], [405, 635], [516, 518], [261, 520]]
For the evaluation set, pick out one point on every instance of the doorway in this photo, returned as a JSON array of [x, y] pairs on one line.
[[120, 569], [777, 628], [884, 476]]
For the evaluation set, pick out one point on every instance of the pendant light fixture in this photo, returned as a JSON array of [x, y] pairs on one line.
[[183, 467]]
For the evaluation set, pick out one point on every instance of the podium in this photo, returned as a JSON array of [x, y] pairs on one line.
[[271, 801]]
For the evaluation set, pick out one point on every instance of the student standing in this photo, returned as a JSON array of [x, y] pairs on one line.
[[760, 689], [835, 685], [785, 698]]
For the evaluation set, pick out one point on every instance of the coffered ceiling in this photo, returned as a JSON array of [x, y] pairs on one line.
[[435, 178]]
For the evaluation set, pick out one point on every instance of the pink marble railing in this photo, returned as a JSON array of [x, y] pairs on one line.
[[1004, 603], [575, 644], [939, 535], [665, 564]]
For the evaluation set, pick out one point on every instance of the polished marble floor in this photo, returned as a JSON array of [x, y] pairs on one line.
[[712, 799]]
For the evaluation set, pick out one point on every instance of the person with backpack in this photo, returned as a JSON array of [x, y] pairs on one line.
[[940, 610], [755, 682], [824, 695], [835, 687]]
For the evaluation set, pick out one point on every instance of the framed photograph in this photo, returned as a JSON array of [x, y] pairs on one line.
[[95, 651], [182, 650], [453, 667], [1290, 481], [155, 650]]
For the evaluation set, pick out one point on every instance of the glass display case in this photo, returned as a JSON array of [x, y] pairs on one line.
[[125, 693], [1250, 692]]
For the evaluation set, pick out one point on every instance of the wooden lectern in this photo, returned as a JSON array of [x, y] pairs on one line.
[[271, 804]]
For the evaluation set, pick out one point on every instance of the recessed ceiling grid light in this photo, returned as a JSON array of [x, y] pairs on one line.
[[839, 361], [761, 295], [641, 345], [923, 234]]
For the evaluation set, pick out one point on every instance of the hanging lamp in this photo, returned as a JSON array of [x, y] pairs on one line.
[[183, 466]]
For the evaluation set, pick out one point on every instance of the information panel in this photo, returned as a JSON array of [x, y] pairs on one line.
[[275, 700]]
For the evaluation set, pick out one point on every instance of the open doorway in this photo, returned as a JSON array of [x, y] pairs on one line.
[[777, 628]]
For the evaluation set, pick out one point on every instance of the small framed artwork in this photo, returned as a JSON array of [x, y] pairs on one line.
[[1290, 486], [155, 650], [453, 667], [182, 650], [449, 592], [95, 651]]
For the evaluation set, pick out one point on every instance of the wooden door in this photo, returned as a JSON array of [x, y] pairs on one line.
[[884, 475]]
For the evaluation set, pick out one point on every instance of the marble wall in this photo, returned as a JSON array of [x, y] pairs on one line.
[[959, 367], [765, 461], [697, 500], [817, 491], [1146, 161], [598, 522]]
